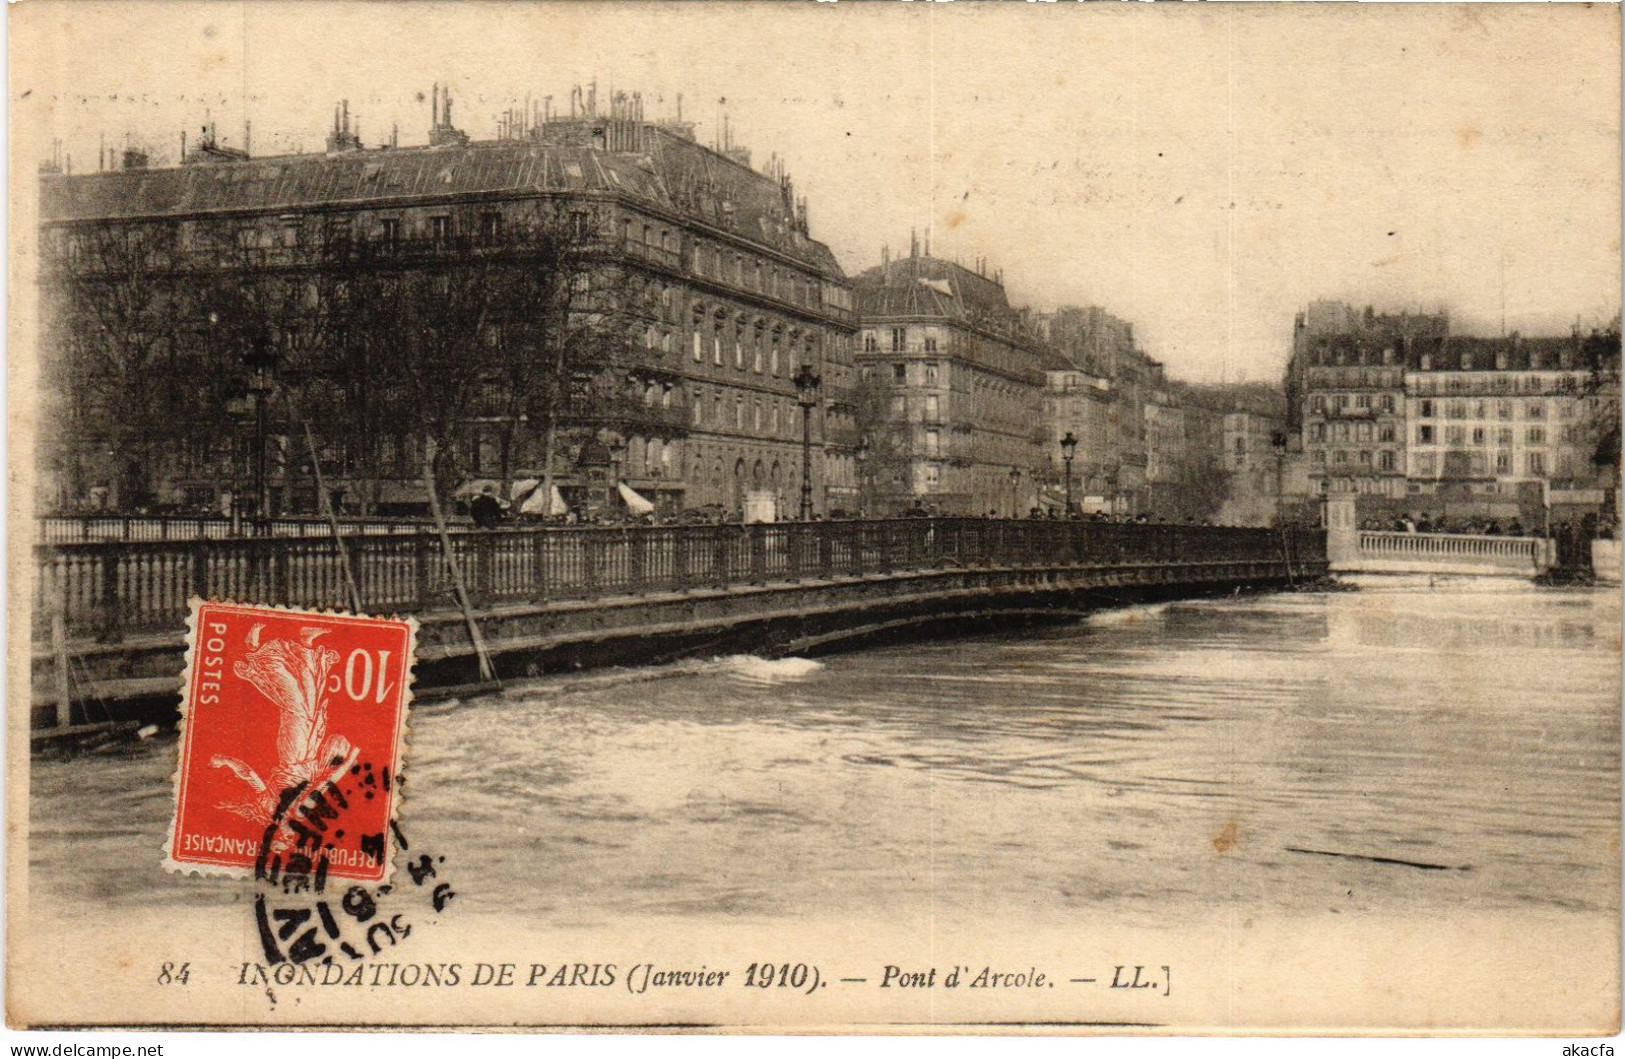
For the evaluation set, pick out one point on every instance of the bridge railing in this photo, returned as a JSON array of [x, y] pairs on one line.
[[1508, 552], [75, 529], [107, 589]]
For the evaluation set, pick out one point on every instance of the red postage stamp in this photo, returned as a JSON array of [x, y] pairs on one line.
[[291, 744]]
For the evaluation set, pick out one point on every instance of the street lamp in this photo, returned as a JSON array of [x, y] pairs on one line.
[[806, 382], [1278, 442], [860, 456], [261, 362], [1015, 502], [1069, 449]]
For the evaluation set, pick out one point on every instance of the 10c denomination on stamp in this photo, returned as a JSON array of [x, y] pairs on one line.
[[282, 707]]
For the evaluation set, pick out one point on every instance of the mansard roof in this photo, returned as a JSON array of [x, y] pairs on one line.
[[675, 175]]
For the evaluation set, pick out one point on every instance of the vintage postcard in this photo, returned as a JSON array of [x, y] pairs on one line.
[[887, 518]]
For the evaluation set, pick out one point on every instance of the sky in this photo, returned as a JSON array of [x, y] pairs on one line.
[[1201, 170]]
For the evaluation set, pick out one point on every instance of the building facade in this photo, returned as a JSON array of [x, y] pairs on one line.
[[703, 266], [1346, 394], [1511, 423], [1111, 464], [959, 382], [1254, 448], [1419, 421]]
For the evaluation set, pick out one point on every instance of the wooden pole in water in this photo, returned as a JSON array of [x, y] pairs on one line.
[[59, 643], [325, 505], [488, 672]]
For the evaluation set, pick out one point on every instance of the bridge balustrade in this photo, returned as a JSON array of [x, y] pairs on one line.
[[1515, 551], [107, 589]]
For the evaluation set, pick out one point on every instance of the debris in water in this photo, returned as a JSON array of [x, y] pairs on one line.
[[1381, 860]]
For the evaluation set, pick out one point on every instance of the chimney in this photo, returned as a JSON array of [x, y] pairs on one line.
[[343, 138]]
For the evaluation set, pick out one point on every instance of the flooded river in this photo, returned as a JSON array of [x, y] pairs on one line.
[[1398, 749]]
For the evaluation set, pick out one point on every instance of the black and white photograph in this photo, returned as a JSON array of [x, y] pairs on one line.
[[814, 518]]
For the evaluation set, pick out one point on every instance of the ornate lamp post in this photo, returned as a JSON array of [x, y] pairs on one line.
[[1015, 485], [1069, 449], [806, 382], [261, 361], [860, 456], [1278, 442]]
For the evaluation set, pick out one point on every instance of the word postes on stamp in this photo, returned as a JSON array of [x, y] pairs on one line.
[[285, 707]]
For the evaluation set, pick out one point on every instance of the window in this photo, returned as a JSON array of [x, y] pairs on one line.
[[1385, 460], [930, 343], [1534, 410], [1535, 435], [440, 228], [490, 227], [1455, 435], [933, 442], [899, 372], [1503, 435], [1424, 435], [932, 411], [1427, 410], [1503, 463], [930, 367], [870, 344], [1317, 403], [1365, 458], [1478, 435], [1503, 409], [931, 476], [1317, 432], [1536, 462], [1424, 463], [1388, 403], [898, 339], [698, 354], [1340, 457], [389, 231], [1362, 401], [1386, 432]]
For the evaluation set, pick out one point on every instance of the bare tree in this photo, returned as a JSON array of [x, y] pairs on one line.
[[117, 344]]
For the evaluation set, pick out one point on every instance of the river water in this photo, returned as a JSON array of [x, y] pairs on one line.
[[1156, 762]]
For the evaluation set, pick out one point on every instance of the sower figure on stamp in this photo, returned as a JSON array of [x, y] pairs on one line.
[[294, 677]]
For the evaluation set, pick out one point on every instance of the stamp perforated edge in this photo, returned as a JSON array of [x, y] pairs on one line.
[[403, 727]]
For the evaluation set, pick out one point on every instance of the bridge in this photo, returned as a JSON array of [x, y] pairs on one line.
[[109, 615], [1364, 551]]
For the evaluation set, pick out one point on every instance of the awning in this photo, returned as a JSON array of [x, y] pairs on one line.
[[636, 503], [487, 486], [544, 502], [521, 487]]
